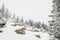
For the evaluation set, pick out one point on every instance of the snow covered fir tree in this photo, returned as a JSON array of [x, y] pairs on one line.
[[4, 12], [55, 23], [4, 16]]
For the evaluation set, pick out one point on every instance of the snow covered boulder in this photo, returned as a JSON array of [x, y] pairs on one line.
[[3, 22], [1, 31], [2, 25]]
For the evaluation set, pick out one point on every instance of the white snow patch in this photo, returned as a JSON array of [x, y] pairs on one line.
[[10, 34]]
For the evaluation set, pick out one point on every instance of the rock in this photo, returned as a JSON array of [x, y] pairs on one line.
[[38, 36]]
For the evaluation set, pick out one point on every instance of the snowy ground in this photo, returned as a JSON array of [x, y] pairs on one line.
[[9, 34]]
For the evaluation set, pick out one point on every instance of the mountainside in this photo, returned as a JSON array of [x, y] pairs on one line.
[[10, 34]]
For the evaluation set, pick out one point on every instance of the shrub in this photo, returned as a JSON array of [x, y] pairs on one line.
[[20, 31], [17, 24], [34, 30]]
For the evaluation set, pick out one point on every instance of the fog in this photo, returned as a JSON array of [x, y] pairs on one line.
[[37, 10]]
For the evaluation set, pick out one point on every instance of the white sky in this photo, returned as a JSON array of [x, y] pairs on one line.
[[37, 10]]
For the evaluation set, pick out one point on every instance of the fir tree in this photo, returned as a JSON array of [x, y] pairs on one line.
[[6, 14], [14, 16], [17, 20], [37, 24], [31, 22], [55, 23], [3, 10], [22, 20]]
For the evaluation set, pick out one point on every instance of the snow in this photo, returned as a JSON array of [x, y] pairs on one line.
[[10, 34]]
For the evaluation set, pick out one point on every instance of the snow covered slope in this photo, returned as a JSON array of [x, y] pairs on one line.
[[10, 34]]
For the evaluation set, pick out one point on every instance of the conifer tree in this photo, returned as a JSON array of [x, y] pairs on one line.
[[14, 16], [31, 23], [22, 20], [6, 14], [55, 23], [17, 20], [3, 10], [37, 24]]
